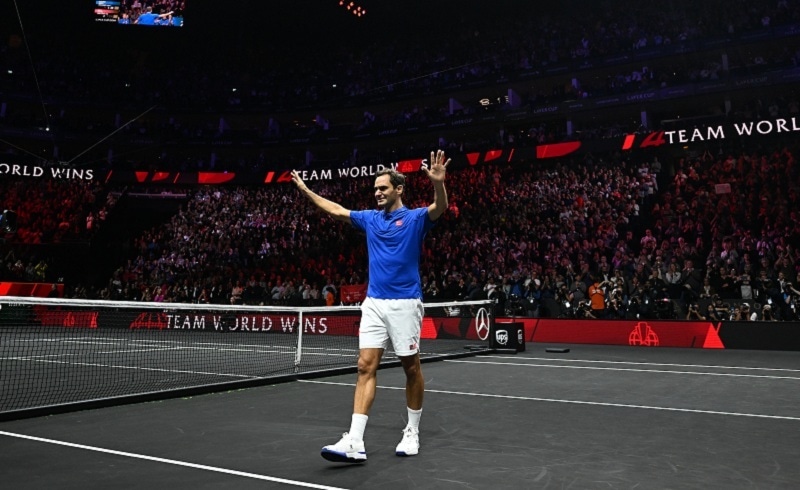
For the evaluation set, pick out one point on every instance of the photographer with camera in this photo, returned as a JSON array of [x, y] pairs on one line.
[[693, 312], [635, 306], [615, 306], [743, 313], [767, 285], [711, 314], [583, 310], [767, 314], [791, 296], [566, 300], [721, 309]]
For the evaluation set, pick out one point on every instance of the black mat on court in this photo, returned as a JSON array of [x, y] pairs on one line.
[[596, 417]]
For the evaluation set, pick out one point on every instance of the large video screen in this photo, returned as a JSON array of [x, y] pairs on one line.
[[155, 13]]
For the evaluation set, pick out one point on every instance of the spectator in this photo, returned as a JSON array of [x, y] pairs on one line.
[[767, 314], [597, 297], [742, 313], [711, 313], [693, 312]]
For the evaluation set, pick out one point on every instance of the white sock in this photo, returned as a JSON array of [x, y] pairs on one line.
[[358, 425], [413, 418]]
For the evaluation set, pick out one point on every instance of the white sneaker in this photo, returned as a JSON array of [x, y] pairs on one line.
[[347, 450], [409, 445]]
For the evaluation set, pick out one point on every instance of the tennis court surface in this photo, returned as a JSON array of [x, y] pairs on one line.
[[595, 417]]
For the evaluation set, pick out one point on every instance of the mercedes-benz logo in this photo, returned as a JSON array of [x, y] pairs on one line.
[[482, 323]]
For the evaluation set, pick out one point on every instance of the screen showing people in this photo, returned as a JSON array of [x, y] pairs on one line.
[[168, 13]]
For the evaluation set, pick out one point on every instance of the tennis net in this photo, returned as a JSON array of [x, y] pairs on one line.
[[59, 354]]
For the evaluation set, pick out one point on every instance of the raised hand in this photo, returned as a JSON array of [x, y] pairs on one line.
[[297, 180], [438, 167]]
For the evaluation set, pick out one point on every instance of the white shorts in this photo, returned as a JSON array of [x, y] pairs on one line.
[[398, 320]]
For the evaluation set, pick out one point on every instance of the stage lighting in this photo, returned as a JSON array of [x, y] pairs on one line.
[[353, 7]]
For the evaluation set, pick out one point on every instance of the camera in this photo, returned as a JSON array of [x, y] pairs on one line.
[[8, 221]]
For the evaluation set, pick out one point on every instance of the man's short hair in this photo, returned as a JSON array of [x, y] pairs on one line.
[[395, 177]]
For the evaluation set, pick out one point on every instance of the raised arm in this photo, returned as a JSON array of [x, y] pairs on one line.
[[437, 172], [336, 211]]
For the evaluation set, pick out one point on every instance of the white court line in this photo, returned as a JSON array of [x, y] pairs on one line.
[[196, 345], [34, 358], [660, 371], [178, 371], [325, 354], [184, 342], [43, 357], [150, 349], [709, 366], [145, 457], [164, 349], [93, 342], [71, 339], [574, 402]]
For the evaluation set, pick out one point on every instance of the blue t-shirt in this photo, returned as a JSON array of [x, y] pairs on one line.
[[394, 243], [148, 19]]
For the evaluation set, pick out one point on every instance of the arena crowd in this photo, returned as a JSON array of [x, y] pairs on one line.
[[712, 234], [654, 239]]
